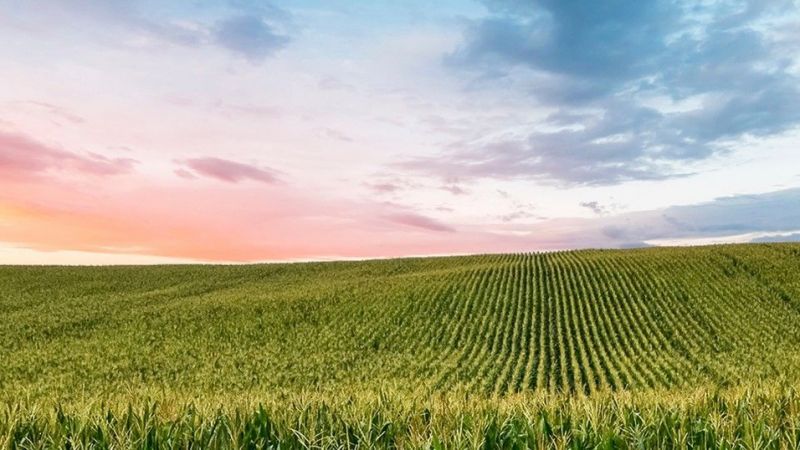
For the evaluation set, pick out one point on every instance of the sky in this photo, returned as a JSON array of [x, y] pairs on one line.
[[136, 132]]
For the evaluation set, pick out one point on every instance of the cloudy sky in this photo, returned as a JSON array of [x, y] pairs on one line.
[[236, 130]]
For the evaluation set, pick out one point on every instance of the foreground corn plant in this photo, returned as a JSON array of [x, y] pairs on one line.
[[765, 417]]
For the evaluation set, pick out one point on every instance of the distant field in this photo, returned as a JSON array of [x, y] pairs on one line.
[[504, 336]]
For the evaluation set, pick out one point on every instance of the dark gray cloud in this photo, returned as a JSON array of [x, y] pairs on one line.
[[255, 30], [612, 40], [770, 213], [794, 237], [610, 70], [250, 36], [594, 206]]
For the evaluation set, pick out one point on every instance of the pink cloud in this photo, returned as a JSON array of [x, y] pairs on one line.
[[419, 221], [384, 188], [57, 111], [222, 222], [20, 155], [183, 173], [207, 223], [230, 171], [454, 189], [251, 223]]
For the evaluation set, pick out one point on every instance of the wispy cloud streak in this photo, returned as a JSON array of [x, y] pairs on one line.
[[21, 155], [227, 170]]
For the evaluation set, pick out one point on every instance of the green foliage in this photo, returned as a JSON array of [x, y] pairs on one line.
[[423, 352], [763, 418]]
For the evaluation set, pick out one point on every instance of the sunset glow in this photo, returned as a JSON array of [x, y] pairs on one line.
[[136, 132]]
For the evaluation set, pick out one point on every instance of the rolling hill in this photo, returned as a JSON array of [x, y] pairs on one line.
[[577, 324]]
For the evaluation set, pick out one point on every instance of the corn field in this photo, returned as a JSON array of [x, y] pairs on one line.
[[647, 348]]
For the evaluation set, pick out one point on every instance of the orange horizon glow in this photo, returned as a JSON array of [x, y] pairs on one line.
[[237, 131]]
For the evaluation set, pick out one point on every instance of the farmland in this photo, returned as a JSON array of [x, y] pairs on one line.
[[606, 339]]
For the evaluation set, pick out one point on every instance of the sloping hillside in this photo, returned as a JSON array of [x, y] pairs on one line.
[[581, 322]]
